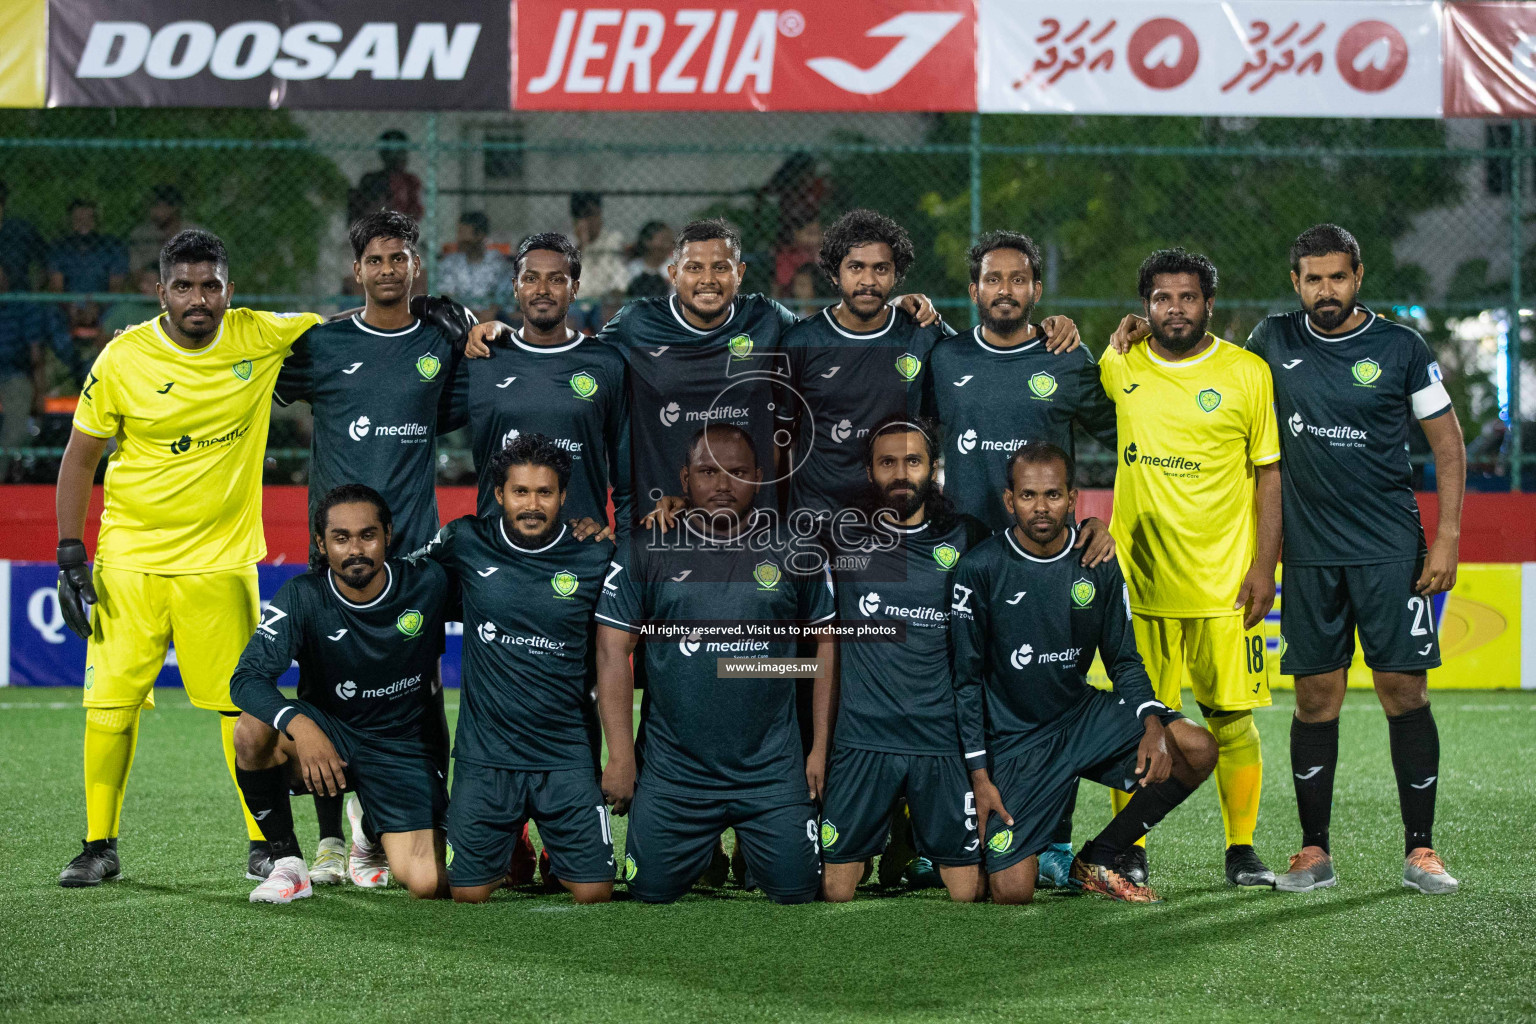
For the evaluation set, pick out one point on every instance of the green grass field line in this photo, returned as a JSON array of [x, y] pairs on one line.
[[177, 940]]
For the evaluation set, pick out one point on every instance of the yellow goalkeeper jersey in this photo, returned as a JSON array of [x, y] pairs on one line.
[[1190, 434], [183, 489]]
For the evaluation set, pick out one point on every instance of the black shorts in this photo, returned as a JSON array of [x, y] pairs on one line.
[[491, 805], [1097, 743], [672, 838], [400, 791], [862, 785], [1321, 607]]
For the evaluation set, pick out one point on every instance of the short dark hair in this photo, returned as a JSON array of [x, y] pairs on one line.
[[584, 204], [1176, 261], [531, 450], [710, 230], [193, 246], [994, 240], [477, 220], [1038, 453], [383, 224], [648, 229], [718, 429], [900, 424], [550, 241], [864, 227], [1322, 239], [345, 494]]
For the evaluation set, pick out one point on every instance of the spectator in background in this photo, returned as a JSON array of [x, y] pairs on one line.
[[22, 250], [162, 222], [85, 260], [143, 305], [23, 336], [798, 192], [602, 250], [804, 246], [392, 187], [476, 276], [648, 268], [808, 291]]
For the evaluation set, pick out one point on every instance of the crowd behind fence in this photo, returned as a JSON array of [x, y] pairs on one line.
[[1440, 209]]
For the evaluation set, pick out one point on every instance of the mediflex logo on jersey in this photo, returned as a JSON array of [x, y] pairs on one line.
[[1042, 385], [1021, 657], [969, 442], [346, 690], [869, 603], [946, 555], [410, 622], [1365, 372], [908, 366], [564, 584], [1025, 655], [767, 575], [841, 431], [741, 346], [363, 426], [487, 632], [181, 445], [186, 442], [1333, 435], [670, 414], [428, 366], [584, 384], [1178, 463]]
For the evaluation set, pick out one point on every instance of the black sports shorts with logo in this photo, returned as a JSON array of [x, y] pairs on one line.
[[1321, 607]]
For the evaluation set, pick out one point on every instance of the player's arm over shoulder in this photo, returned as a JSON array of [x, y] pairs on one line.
[[280, 330]]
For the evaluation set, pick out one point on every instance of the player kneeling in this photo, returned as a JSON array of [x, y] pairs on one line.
[[1026, 619], [367, 633]]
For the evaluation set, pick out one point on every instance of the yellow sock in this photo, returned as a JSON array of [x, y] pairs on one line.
[[1118, 798], [110, 737], [1239, 773], [227, 729]]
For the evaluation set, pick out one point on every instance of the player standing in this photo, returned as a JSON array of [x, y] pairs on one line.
[[366, 630], [188, 398], [717, 752], [522, 746], [1347, 385], [1026, 621], [1197, 525]]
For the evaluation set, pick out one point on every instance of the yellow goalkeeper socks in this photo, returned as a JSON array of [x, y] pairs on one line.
[[110, 737], [1118, 798], [1239, 773], [227, 729]]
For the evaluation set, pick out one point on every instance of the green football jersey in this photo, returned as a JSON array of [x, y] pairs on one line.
[[372, 666], [1344, 404], [376, 397], [991, 400], [527, 616]]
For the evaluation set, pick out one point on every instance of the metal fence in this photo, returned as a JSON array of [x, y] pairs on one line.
[[1439, 208]]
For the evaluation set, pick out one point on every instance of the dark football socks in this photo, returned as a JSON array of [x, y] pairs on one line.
[[1149, 805], [1416, 762], [1063, 834], [328, 814], [266, 794], [1314, 757]]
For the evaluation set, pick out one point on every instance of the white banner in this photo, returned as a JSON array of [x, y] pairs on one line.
[[1296, 58]]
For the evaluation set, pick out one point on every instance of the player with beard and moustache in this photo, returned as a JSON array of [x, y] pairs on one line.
[[366, 631], [1026, 622], [1000, 384], [1197, 523], [1347, 384], [860, 361], [527, 587], [546, 378], [716, 752], [375, 381]]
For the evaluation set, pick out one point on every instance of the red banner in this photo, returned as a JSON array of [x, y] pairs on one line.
[[747, 55], [1490, 60]]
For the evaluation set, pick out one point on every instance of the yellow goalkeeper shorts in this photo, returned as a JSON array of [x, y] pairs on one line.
[[208, 616], [1224, 664]]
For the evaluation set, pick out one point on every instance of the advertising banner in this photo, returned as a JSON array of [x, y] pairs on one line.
[[1298, 58], [24, 57], [1490, 60], [749, 55], [340, 54]]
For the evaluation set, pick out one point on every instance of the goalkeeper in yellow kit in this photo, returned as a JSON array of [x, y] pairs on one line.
[[1197, 528]]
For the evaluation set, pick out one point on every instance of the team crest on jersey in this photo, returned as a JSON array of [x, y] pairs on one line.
[[1365, 372], [584, 384], [242, 369], [741, 346], [1043, 385], [410, 621], [1001, 842], [946, 555], [1283, 646], [828, 835], [447, 855], [428, 365], [1209, 399], [90, 676], [631, 869], [767, 575], [1082, 593], [565, 583], [908, 365]]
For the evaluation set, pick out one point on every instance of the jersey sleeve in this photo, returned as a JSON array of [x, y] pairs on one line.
[[621, 477], [296, 380], [1263, 433], [440, 549], [817, 597], [787, 318], [1117, 646], [1095, 412], [1111, 369], [97, 412], [1258, 340], [1425, 383], [282, 330], [968, 640], [253, 688], [622, 601], [453, 401]]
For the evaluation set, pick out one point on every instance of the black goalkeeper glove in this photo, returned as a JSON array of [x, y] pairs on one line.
[[452, 318], [76, 592]]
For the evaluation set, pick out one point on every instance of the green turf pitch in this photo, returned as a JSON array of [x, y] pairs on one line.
[[176, 939]]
